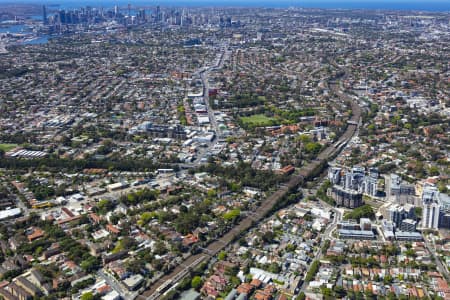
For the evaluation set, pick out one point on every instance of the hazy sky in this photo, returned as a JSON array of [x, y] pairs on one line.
[[151, 2], [443, 5]]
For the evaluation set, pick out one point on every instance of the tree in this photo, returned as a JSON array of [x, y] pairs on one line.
[[235, 281], [325, 246], [160, 248], [185, 284], [234, 187], [301, 296], [391, 296], [126, 243], [312, 271], [340, 291], [369, 295], [418, 211], [196, 282], [410, 253], [304, 138], [232, 215], [268, 237], [146, 217], [442, 187], [105, 205], [90, 264], [326, 291], [222, 255], [433, 171], [87, 296], [290, 248], [114, 219], [313, 147], [388, 279], [211, 193], [274, 268], [364, 211]]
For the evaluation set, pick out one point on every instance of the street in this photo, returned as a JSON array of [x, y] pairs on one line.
[[111, 281]]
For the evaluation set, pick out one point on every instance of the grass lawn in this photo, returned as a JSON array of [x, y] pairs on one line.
[[7, 147], [259, 120]]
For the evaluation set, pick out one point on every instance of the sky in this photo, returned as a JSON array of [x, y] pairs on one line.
[[439, 5]]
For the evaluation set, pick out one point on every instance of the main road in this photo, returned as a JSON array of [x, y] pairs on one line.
[[204, 73], [429, 242]]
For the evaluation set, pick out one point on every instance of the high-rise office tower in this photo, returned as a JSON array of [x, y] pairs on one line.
[[44, 15], [158, 14]]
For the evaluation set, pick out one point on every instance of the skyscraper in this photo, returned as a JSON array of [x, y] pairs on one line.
[[158, 14], [44, 15], [141, 15]]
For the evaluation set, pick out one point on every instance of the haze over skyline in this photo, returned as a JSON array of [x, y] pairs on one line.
[[434, 5]]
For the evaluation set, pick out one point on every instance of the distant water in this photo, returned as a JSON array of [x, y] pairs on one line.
[[22, 29], [37, 41], [13, 29]]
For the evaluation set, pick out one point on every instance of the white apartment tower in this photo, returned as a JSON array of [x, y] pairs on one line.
[[431, 208]]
